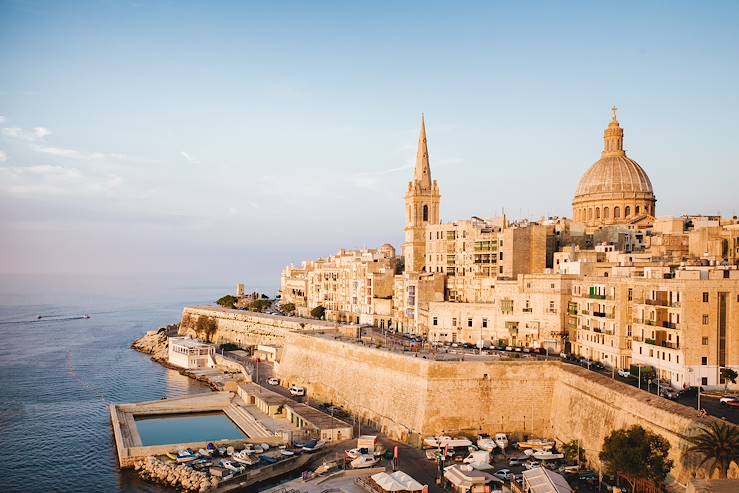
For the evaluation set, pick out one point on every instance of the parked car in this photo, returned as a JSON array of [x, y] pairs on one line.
[[514, 462], [624, 373], [504, 474], [729, 401], [273, 381], [296, 390], [669, 393]]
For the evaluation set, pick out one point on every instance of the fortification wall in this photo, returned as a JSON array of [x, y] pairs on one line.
[[409, 397], [247, 328]]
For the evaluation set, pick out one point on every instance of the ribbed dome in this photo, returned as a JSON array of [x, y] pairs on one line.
[[614, 174]]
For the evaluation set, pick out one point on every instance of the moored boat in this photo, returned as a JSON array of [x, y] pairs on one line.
[[501, 440], [541, 454], [364, 460], [536, 443], [485, 442], [446, 441]]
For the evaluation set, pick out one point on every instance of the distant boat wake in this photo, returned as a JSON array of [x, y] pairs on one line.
[[47, 318]]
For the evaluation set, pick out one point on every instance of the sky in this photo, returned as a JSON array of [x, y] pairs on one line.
[[221, 141]]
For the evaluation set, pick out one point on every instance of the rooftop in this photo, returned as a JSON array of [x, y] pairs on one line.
[[189, 343]]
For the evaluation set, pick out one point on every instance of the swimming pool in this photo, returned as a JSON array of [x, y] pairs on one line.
[[186, 428]]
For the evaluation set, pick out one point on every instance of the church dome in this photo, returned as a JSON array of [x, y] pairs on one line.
[[614, 174], [614, 190]]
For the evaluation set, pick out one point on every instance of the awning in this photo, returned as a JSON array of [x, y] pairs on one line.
[[541, 480], [397, 481]]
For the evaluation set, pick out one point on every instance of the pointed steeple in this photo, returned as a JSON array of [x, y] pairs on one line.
[[423, 169], [614, 137]]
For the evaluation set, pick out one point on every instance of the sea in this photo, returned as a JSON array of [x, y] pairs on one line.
[[59, 373]]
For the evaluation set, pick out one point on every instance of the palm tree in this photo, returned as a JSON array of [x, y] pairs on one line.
[[719, 444]]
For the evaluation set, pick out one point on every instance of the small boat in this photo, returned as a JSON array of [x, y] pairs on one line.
[[479, 459], [264, 446], [39, 317], [287, 453], [541, 454], [324, 468], [221, 451], [355, 452], [181, 459], [484, 442], [313, 445], [501, 440], [86, 316], [364, 460], [171, 455], [231, 466], [267, 459], [245, 458], [204, 453], [230, 450], [536, 443], [446, 441]]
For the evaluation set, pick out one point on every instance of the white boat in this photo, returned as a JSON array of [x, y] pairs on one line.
[[313, 445], [446, 441], [287, 453], [364, 460], [244, 457], [484, 442], [501, 440], [354, 452], [479, 459], [433, 453], [542, 454], [231, 466], [264, 446], [536, 443], [204, 453]]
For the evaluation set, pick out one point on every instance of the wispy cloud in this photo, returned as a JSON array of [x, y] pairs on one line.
[[77, 154], [55, 180], [3, 157], [368, 180], [34, 134], [189, 157], [2, 119]]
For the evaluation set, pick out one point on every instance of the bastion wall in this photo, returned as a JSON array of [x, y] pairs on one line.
[[408, 397]]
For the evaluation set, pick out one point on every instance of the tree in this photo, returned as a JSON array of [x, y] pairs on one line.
[[573, 452], [259, 305], [227, 301], [318, 312], [288, 307], [635, 453], [729, 375], [719, 445], [205, 327]]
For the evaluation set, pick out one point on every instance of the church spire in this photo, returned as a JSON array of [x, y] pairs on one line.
[[423, 169], [614, 137]]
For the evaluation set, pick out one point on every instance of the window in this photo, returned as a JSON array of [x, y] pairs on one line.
[[704, 360], [705, 319], [616, 212], [454, 322], [637, 210], [627, 211], [436, 321], [425, 213], [705, 297], [484, 322], [704, 341], [469, 322], [631, 294], [704, 381]]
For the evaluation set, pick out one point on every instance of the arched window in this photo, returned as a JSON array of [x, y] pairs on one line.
[[637, 210], [590, 214], [425, 213], [606, 213], [627, 211], [597, 212], [616, 212]]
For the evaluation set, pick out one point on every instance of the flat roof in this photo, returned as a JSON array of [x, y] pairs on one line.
[[266, 395], [541, 480], [189, 343], [317, 418]]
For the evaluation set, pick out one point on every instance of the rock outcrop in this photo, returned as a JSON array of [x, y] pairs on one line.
[[155, 343], [176, 475]]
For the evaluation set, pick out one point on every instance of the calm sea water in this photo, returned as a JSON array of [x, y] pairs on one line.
[[187, 428], [59, 374]]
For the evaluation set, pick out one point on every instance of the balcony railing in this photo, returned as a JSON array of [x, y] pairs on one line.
[[594, 296], [599, 314], [527, 310], [651, 341], [585, 312]]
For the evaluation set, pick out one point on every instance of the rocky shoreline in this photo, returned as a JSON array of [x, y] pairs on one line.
[[176, 475]]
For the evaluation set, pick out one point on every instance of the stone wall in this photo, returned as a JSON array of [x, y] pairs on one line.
[[247, 328], [409, 397]]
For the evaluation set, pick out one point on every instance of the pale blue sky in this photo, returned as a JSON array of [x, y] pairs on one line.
[[222, 141]]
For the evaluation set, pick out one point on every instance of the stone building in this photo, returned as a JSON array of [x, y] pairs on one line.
[[614, 284], [615, 190]]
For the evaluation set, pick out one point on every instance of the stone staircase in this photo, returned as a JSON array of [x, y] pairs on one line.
[[248, 424]]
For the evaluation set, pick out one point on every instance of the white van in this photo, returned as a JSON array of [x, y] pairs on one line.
[[296, 390]]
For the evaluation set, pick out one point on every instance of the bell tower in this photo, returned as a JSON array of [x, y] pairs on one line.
[[421, 208]]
